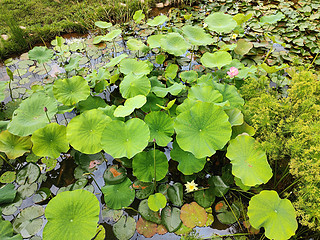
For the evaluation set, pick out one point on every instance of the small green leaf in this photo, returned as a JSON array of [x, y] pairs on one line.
[[157, 201], [124, 228], [147, 213], [138, 16], [130, 105], [8, 177], [171, 218], [218, 186], [6, 231], [216, 59], [7, 193], [243, 47]]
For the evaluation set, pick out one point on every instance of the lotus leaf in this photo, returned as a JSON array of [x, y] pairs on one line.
[[50, 163], [147, 213], [205, 94], [73, 64], [157, 201], [130, 105], [160, 59], [119, 195], [152, 101], [243, 47], [28, 223], [270, 19], [174, 89], [188, 163], [218, 186], [216, 59], [136, 45], [189, 76], [138, 16], [220, 22], [40, 54], [91, 103], [71, 90], [144, 190], [7, 193], [229, 94], [111, 35], [76, 212], [50, 141], [243, 128], [154, 41], [102, 24], [193, 215], [226, 215], [89, 126], [138, 68], [161, 127], [276, 215], [14, 146], [158, 20], [133, 85], [197, 36], [132, 140], [116, 60], [273, 69], [203, 129], [239, 183], [171, 218], [175, 194], [114, 174], [240, 18], [205, 198], [143, 165], [6, 231], [235, 116], [31, 116], [175, 44], [249, 161], [28, 174], [8, 177], [146, 228], [171, 71], [124, 228]]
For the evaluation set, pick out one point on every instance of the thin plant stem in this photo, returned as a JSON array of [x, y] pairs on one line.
[[154, 164], [131, 209], [313, 61], [283, 176], [47, 117], [104, 158], [10, 89], [115, 49], [232, 211], [265, 59], [45, 68], [91, 175], [65, 118], [8, 162], [295, 182], [190, 65]]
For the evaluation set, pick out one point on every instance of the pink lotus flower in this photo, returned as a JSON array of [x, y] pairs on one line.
[[233, 72]]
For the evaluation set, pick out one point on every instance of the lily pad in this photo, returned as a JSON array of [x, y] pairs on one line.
[[28, 223], [193, 215], [119, 195], [175, 194], [220, 22], [76, 212], [197, 36], [14, 146], [226, 215], [133, 139], [143, 189], [203, 129], [50, 141], [27, 190], [40, 54], [243, 47], [188, 163], [124, 228], [28, 174], [205, 198], [216, 59], [6, 231], [218, 186], [249, 161], [276, 215], [71, 90], [157, 201], [136, 45], [271, 19], [8, 177], [189, 76], [146, 228], [147, 213], [158, 20], [41, 195], [175, 44], [171, 218], [114, 174], [89, 126], [7, 193], [138, 68], [143, 165], [130, 105]]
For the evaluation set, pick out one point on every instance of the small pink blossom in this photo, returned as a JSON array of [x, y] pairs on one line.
[[93, 163], [233, 72]]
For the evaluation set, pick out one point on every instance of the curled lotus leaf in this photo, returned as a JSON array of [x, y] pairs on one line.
[[40, 54], [50, 141], [71, 90], [158, 20], [216, 59], [130, 105], [220, 22], [193, 215], [116, 60], [276, 215], [197, 36], [111, 35], [175, 44], [14, 146]]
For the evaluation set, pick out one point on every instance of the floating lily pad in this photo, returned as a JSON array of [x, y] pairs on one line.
[[158, 20], [270, 19], [9, 209], [111, 215], [143, 189], [276, 215], [157, 201], [119, 195], [14, 146], [171, 71], [31, 116], [203, 129], [71, 90], [89, 126], [249, 161], [175, 194], [193, 215], [50, 163], [143, 165], [205, 198], [130, 105], [28, 223], [146, 228], [138, 68], [133, 85], [154, 41], [40, 54], [226, 215], [50, 141], [197, 36], [205, 94], [216, 59], [76, 212], [114, 174], [171, 218], [132, 140], [218, 186], [147, 213], [243, 47], [124, 228], [175, 44], [6, 231], [28, 174], [8, 177], [27, 190], [220, 22], [188, 163], [41, 195], [7, 193]]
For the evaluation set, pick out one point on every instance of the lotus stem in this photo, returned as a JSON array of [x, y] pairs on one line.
[[104, 158], [65, 118], [265, 59], [192, 49], [45, 68], [313, 61], [10, 90], [8, 162], [154, 164], [91, 175], [115, 49], [232, 211], [46, 111]]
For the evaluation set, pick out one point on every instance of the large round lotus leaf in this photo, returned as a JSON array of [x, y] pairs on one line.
[[72, 215], [203, 129], [133, 85], [28, 223], [124, 228], [6, 231], [138, 68], [230, 94], [188, 163], [40, 54], [193, 215], [71, 90], [171, 218], [116, 60], [121, 139], [157, 201], [161, 127], [143, 165], [220, 22], [50, 141], [249, 161], [84, 131], [102, 24], [31, 116], [175, 44], [243, 47], [216, 59], [205, 94], [114, 174], [111, 35], [130, 105], [276, 215], [158, 20], [154, 41], [189, 76], [119, 195], [197, 36], [14, 146]]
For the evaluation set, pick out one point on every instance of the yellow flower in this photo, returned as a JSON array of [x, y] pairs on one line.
[[234, 36], [191, 186]]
